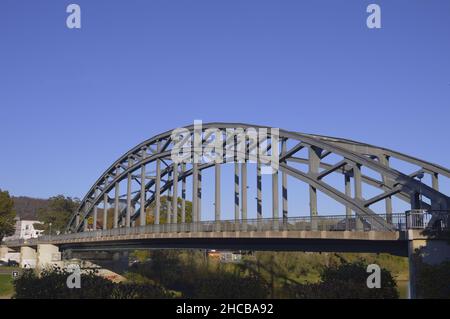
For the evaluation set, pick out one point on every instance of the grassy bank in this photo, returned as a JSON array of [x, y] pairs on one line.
[[6, 286]]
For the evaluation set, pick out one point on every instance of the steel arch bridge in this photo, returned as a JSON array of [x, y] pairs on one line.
[[325, 156]]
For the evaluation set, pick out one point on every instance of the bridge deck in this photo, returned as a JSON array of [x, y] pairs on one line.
[[325, 233], [317, 241]]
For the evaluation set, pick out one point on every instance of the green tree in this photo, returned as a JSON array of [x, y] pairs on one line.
[[7, 215], [189, 274], [433, 281], [51, 284], [346, 281], [58, 213], [224, 285], [165, 200]]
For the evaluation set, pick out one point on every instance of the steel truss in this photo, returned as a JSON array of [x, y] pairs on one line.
[[354, 157]]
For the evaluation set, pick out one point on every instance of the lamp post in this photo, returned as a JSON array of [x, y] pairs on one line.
[[50, 230]]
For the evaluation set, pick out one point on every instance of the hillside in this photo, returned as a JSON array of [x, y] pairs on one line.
[[27, 207]]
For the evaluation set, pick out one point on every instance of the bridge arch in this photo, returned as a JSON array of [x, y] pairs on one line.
[[353, 157]]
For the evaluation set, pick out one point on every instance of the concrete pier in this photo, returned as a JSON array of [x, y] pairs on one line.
[[422, 250], [28, 257], [47, 256]]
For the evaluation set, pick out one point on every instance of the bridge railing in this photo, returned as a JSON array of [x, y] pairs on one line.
[[416, 219]]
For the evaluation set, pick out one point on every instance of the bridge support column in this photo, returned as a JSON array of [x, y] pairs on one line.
[[142, 215], [116, 202], [199, 198], [284, 187], [217, 203], [258, 194], [94, 222], [236, 192], [314, 162], [169, 200], [47, 256], [244, 195], [128, 216], [348, 192], [275, 204], [388, 202], [195, 193], [175, 194], [157, 191], [424, 252], [105, 211], [358, 194], [28, 257], [183, 194]]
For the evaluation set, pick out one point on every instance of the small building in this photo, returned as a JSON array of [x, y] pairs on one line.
[[225, 256], [230, 257], [24, 229]]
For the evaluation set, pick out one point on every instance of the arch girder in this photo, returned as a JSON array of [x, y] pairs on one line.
[[151, 149]]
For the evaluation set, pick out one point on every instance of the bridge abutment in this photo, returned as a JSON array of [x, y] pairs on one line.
[[28, 257], [424, 252], [44, 255], [47, 256], [3, 252]]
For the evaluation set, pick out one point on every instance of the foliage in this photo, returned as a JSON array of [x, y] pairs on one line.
[[269, 274], [345, 281], [433, 281], [58, 213], [140, 291], [51, 284], [226, 285], [140, 255], [191, 274], [27, 207], [165, 202], [164, 268], [183, 272], [6, 286], [7, 215], [307, 267], [150, 213]]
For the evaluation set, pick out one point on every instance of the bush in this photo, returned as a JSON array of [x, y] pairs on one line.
[[51, 284], [230, 286], [345, 281], [433, 281]]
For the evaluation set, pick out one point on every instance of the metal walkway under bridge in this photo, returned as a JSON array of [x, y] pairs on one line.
[[142, 198]]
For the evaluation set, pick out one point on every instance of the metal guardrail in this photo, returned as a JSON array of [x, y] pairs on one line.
[[416, 219]]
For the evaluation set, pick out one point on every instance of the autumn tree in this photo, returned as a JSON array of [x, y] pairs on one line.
[[58, 214]]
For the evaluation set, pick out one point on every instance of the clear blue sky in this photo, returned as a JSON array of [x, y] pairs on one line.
[[73, 101]]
